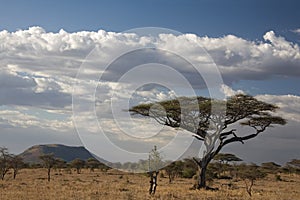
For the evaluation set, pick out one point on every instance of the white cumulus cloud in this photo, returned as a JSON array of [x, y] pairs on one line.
[[288, 105], [228, 91], [38, 68]]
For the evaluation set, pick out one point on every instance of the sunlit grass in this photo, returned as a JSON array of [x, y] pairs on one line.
[[33, 184]]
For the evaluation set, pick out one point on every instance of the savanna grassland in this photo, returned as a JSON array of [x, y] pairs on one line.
[[112, 185]]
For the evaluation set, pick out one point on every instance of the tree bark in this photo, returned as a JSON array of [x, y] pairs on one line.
[[153, 182], [202, 175], [15, 173]]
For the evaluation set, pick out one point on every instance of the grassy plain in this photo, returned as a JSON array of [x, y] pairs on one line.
[[112, 185]]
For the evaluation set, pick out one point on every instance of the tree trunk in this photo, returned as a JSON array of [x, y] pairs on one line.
[[15, 173], [153, 182], [49, 169], [202, 177], [3, 173], [170, 178]]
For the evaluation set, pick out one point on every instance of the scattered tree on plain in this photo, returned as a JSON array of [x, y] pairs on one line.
[[212, 127], [174, 169], [92, 164], [16, 163], [78, 164], [155, 163], [250, 173], [223, 160], [4, 161], [49, 161]]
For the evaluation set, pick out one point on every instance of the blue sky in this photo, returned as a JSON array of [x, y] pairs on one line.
[[254, 44], [247, 19]]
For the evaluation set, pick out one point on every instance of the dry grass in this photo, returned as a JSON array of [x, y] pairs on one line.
[[32, 184]]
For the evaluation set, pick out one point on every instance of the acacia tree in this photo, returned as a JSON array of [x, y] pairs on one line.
[[174, 169], [16, 163], [223, 160], [49, 162], [4, 161], [78, 164], [212, 126], [93, 164]]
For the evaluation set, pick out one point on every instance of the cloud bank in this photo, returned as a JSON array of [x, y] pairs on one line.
[[38, 70]]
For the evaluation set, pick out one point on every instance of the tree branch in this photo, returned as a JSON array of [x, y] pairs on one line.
[[225, 134], [198, 137], [197, 161]]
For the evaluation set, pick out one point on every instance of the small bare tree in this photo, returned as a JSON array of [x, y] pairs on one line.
[[250, 173], [155, 163]]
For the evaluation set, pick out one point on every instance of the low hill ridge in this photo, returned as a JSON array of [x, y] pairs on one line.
[[67, 153]]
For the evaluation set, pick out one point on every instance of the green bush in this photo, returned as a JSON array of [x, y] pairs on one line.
[[188, 173]]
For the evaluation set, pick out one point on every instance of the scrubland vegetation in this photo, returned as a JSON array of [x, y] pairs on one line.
[[227, 177], [33, 184]]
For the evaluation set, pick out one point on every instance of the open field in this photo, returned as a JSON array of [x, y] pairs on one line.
[[112, 185]]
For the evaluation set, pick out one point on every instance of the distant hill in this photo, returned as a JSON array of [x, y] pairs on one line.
[[67, 153]]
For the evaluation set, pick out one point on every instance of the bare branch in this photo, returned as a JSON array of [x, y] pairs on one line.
[[197, 137]]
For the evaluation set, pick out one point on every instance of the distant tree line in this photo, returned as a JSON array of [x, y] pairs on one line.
[[15, 163], [224, 166], [49, 161]]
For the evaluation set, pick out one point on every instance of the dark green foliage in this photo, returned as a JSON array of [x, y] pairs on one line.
[[188, 173], [174, 169], [78, 164], [222, 165], [92, 164], [226, 158], [190, 168]]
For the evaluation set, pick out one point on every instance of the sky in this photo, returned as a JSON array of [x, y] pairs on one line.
[[48, 48]]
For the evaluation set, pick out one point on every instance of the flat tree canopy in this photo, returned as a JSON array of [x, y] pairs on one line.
[[196, 118], [227, 157]]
